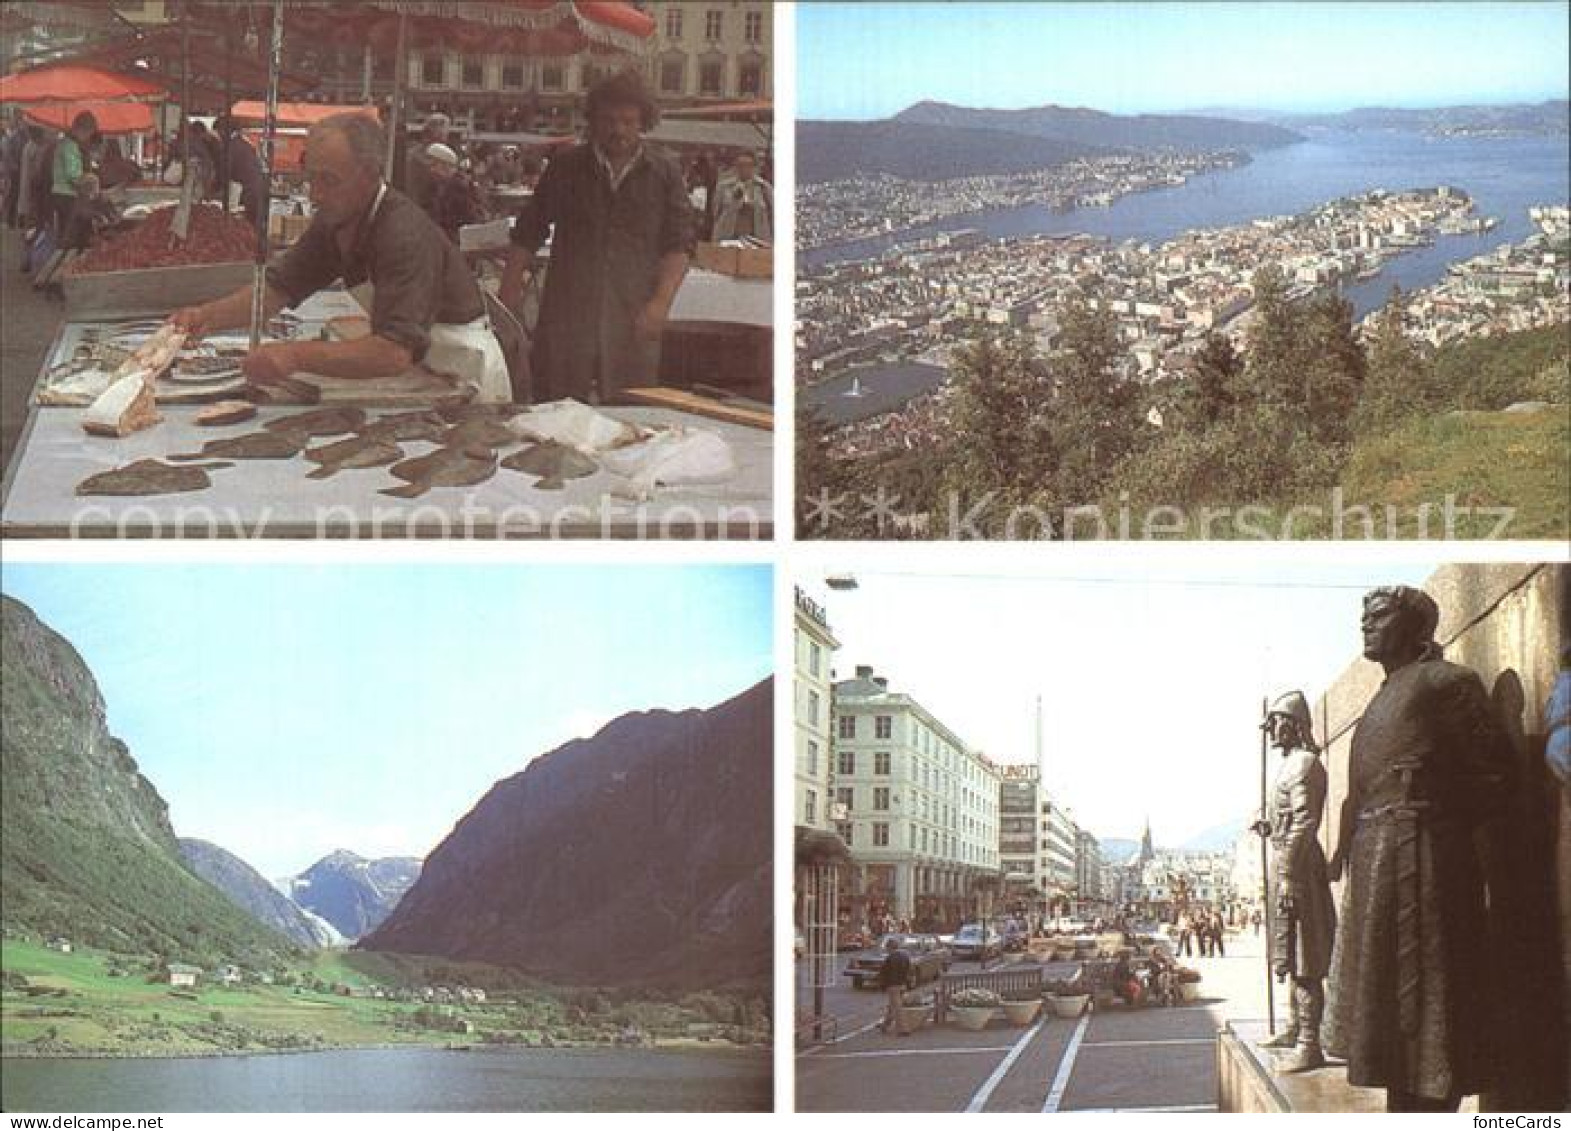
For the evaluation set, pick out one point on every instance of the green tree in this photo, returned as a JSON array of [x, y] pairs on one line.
[[1398, 382], [1332, 363], [1096, 407], [1004, 448], [1273, 340], [1215, 388]]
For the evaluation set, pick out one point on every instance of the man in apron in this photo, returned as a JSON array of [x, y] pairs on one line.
[[424, 303]]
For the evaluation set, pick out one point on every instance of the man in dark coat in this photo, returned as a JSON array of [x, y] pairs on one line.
[[1411, 986], [894, 978], [1305, 922], [623, 234]]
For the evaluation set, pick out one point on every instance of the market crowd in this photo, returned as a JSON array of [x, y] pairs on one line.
[[58, 188]]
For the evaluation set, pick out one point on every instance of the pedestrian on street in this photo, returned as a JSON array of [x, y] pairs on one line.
[[1218, 930], [893, 977], [1184, 934]]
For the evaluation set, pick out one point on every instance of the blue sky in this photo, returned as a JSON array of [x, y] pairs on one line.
[[1151, 674], [284, 711], [869, 60]]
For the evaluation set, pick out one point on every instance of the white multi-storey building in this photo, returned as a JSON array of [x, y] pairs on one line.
[[813, 691], [921, 809]]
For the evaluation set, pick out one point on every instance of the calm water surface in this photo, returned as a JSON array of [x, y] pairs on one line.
[[399, 1080]]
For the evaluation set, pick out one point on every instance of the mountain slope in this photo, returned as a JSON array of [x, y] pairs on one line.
[[1117, 849], [246, 888], [1536, 119], [918, 151], [352, 893], [86, 848], [641, 855], [1218, 838], [1093, 127]]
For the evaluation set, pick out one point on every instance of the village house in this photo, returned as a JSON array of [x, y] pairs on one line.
[[182, 975]]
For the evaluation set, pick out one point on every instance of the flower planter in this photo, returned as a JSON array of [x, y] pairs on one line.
[[913, 1017], [1069, 1005], [1022, 1012], [1188, 991], [971, 1017]]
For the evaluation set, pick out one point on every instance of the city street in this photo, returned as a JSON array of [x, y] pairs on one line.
[[1118, 1059]]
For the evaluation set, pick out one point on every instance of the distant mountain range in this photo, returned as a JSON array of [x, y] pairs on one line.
[[1218, 838], [1541, 118], [936, 140], [917, 151], [86, 848], [353, 893], [639, 856], [247, 889], [1142, 132], [1117, 849]]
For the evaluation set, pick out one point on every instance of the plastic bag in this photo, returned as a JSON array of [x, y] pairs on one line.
[[576, 425], [673, 458]]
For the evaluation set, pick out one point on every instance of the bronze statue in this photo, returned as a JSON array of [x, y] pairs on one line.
[[1411, 1007], [1305, 922]]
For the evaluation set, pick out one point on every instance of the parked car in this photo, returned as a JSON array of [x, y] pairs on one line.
[[929, 959], [978, 941]]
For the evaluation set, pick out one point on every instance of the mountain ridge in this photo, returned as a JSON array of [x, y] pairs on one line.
[[351, 892], [87, 850], [1140, 132], [679, 894], [250, 891]]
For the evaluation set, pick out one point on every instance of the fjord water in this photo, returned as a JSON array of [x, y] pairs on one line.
[[422, 1079], [1504, 176]]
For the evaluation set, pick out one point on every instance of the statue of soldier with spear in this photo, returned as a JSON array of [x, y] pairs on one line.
[[1304, 923]]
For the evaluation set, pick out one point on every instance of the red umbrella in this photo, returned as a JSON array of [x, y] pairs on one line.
[[72, 84], [113, 117]]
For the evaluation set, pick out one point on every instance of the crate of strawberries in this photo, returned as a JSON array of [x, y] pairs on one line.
[[149, 271]]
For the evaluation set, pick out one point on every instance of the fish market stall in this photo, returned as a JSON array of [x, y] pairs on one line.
[[347, 461]]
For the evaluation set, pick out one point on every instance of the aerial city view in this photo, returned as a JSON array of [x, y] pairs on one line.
[[1036, 873], [334, 840], [1239, 271]]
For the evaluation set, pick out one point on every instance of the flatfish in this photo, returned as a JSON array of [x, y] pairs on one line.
[[479, 433], [333, 421], [421, 425], [357, 451], [224, 412], [460, 413], [554, 464], [252, 445], [149, 477], [284, 390], [445, 467]]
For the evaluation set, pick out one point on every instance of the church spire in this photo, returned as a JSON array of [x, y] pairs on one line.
[[1147, 852]]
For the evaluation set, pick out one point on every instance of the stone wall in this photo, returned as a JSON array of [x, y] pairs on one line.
[[1504, 622]]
